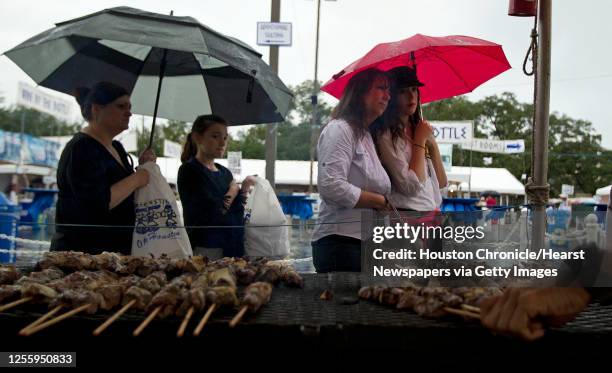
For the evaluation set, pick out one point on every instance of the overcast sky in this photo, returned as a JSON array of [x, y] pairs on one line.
[[581, 56]]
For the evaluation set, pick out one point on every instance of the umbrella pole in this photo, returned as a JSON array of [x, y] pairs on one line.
[[162, 69], [540, 133]]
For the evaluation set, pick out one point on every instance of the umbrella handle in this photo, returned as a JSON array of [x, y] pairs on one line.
[[414, 66], [162, 70]]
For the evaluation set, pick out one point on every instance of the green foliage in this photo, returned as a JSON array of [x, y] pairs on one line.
[[35, 122], [251, 143], [576, 156], [293, 135], [173, 130]]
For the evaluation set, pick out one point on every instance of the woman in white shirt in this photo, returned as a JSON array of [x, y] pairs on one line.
[[350, 175], [408, 149]]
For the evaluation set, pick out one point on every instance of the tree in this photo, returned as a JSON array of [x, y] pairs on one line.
[[293, 134], [143, 137], [36, 123], [173, 130], [251, 144], [576, 156]]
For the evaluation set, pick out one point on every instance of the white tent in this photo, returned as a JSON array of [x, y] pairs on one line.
[[486, 178], [286, 172], [298, 173], [605, 191]]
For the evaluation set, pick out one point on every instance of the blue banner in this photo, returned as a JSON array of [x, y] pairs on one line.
[[36, 151]]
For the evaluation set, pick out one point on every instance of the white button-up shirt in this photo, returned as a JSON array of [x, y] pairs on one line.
[[408, 191], [348, 164]]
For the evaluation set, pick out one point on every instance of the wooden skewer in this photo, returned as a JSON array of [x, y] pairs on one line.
[[56, 320], [8, 306], [147, 321], [41, 319], [112, 319], [462, 313], [467, 307], [181, 330], [200, 326], [238, 316]]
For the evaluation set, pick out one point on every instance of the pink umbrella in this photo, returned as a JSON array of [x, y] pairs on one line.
[[448, 65]]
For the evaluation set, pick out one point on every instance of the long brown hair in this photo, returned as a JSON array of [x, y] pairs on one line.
[[351, 107], [200, 125], [390, 120]]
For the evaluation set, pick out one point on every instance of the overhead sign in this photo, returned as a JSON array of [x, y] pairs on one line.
[[28, 149], [172, 149], [274, 33], [495, 146], [452, 132], [38, 100], [233, 162]]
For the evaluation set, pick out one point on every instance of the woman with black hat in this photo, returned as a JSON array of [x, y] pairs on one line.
[[407, 147]]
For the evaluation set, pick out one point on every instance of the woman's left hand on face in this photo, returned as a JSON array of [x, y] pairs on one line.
[[147, 156]]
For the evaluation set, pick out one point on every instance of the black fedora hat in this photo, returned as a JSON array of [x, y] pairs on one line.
[[404, 76]]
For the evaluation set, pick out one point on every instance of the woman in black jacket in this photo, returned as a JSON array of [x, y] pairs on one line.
[[96, 179], [210, 196]]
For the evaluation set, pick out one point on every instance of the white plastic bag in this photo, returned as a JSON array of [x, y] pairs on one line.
[[158, 219], [263, 209]]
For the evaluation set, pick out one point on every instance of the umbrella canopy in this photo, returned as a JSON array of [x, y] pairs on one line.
[[205, 71], [449, 65]]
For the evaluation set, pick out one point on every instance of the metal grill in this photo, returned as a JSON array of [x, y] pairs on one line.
[[303, 307]]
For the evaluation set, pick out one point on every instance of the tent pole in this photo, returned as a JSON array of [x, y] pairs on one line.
[[540, 133]]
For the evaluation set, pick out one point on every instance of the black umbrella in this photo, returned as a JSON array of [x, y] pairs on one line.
[[203, 71]]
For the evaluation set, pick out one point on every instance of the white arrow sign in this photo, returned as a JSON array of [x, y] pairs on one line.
[[495, 146]]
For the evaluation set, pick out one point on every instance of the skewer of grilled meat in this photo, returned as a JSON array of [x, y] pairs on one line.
[[14, 293], [427, 301], [194, 301], [8, 274], [216, 297], [167, 300], [137, 294], [256, 295], [68, 261]]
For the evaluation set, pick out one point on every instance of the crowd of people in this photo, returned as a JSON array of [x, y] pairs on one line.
[[377, 152]]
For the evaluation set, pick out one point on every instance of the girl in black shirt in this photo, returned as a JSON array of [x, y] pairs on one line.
[[96, 179], [208, 192]]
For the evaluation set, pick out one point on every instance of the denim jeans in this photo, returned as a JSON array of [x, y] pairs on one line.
[[336, 253]]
